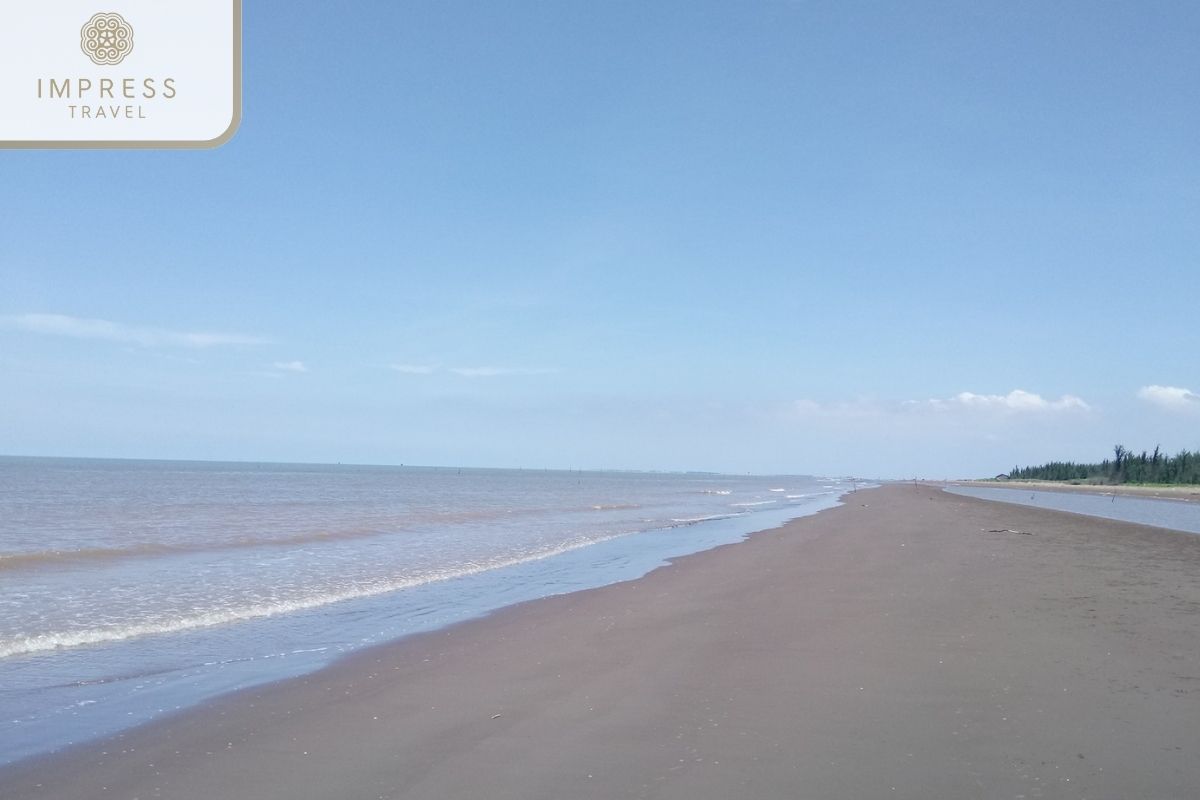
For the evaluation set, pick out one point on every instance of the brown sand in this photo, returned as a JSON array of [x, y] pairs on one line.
[[890, 648]]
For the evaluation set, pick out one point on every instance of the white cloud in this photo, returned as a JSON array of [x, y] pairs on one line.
[[104, 330], [492, 372], [1015, 402], [1172, 398], [468, 372], [290, 366]]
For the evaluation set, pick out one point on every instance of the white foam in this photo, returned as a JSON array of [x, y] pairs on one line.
[[693, 520], [56, 640], [759, 503]]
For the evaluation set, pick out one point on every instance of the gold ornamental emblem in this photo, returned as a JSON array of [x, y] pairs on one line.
[[106, 38]]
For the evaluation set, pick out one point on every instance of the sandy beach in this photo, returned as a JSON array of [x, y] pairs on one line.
[[910, 644]]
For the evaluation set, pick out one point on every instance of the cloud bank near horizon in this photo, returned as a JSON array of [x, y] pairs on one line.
[[1018, 401], [1170, 398]]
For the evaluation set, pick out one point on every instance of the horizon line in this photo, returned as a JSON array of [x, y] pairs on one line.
[[628, 470]]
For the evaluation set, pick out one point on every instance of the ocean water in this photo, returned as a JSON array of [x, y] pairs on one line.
[[1160, 513], [133, 589]]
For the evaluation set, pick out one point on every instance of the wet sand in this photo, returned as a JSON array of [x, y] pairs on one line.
[[894, 647]]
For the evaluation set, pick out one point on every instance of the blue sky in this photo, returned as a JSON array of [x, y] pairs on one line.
[[885, 239]]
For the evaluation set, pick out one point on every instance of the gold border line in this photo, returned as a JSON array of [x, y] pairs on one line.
[[161, 144]]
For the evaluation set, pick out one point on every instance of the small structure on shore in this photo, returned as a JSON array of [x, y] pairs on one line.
[[1002, 477]]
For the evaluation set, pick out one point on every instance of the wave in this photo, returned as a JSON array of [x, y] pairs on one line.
[[48, 558], [42, 642], [45, 557], [151, 549], [757, 503], [693, 520]]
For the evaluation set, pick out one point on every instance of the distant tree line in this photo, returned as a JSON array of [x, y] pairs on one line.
[[1124, 467]]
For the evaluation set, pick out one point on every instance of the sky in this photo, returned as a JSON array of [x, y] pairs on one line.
[[929, 239]]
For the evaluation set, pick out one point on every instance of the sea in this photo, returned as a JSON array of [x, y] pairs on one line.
[[130, 590], [1177, 515]]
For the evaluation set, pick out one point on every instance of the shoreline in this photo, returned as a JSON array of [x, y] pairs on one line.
[[1185, 494], [308, 641], [888, 645]]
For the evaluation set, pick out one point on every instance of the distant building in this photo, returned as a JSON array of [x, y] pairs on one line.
[[1001, 477]]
